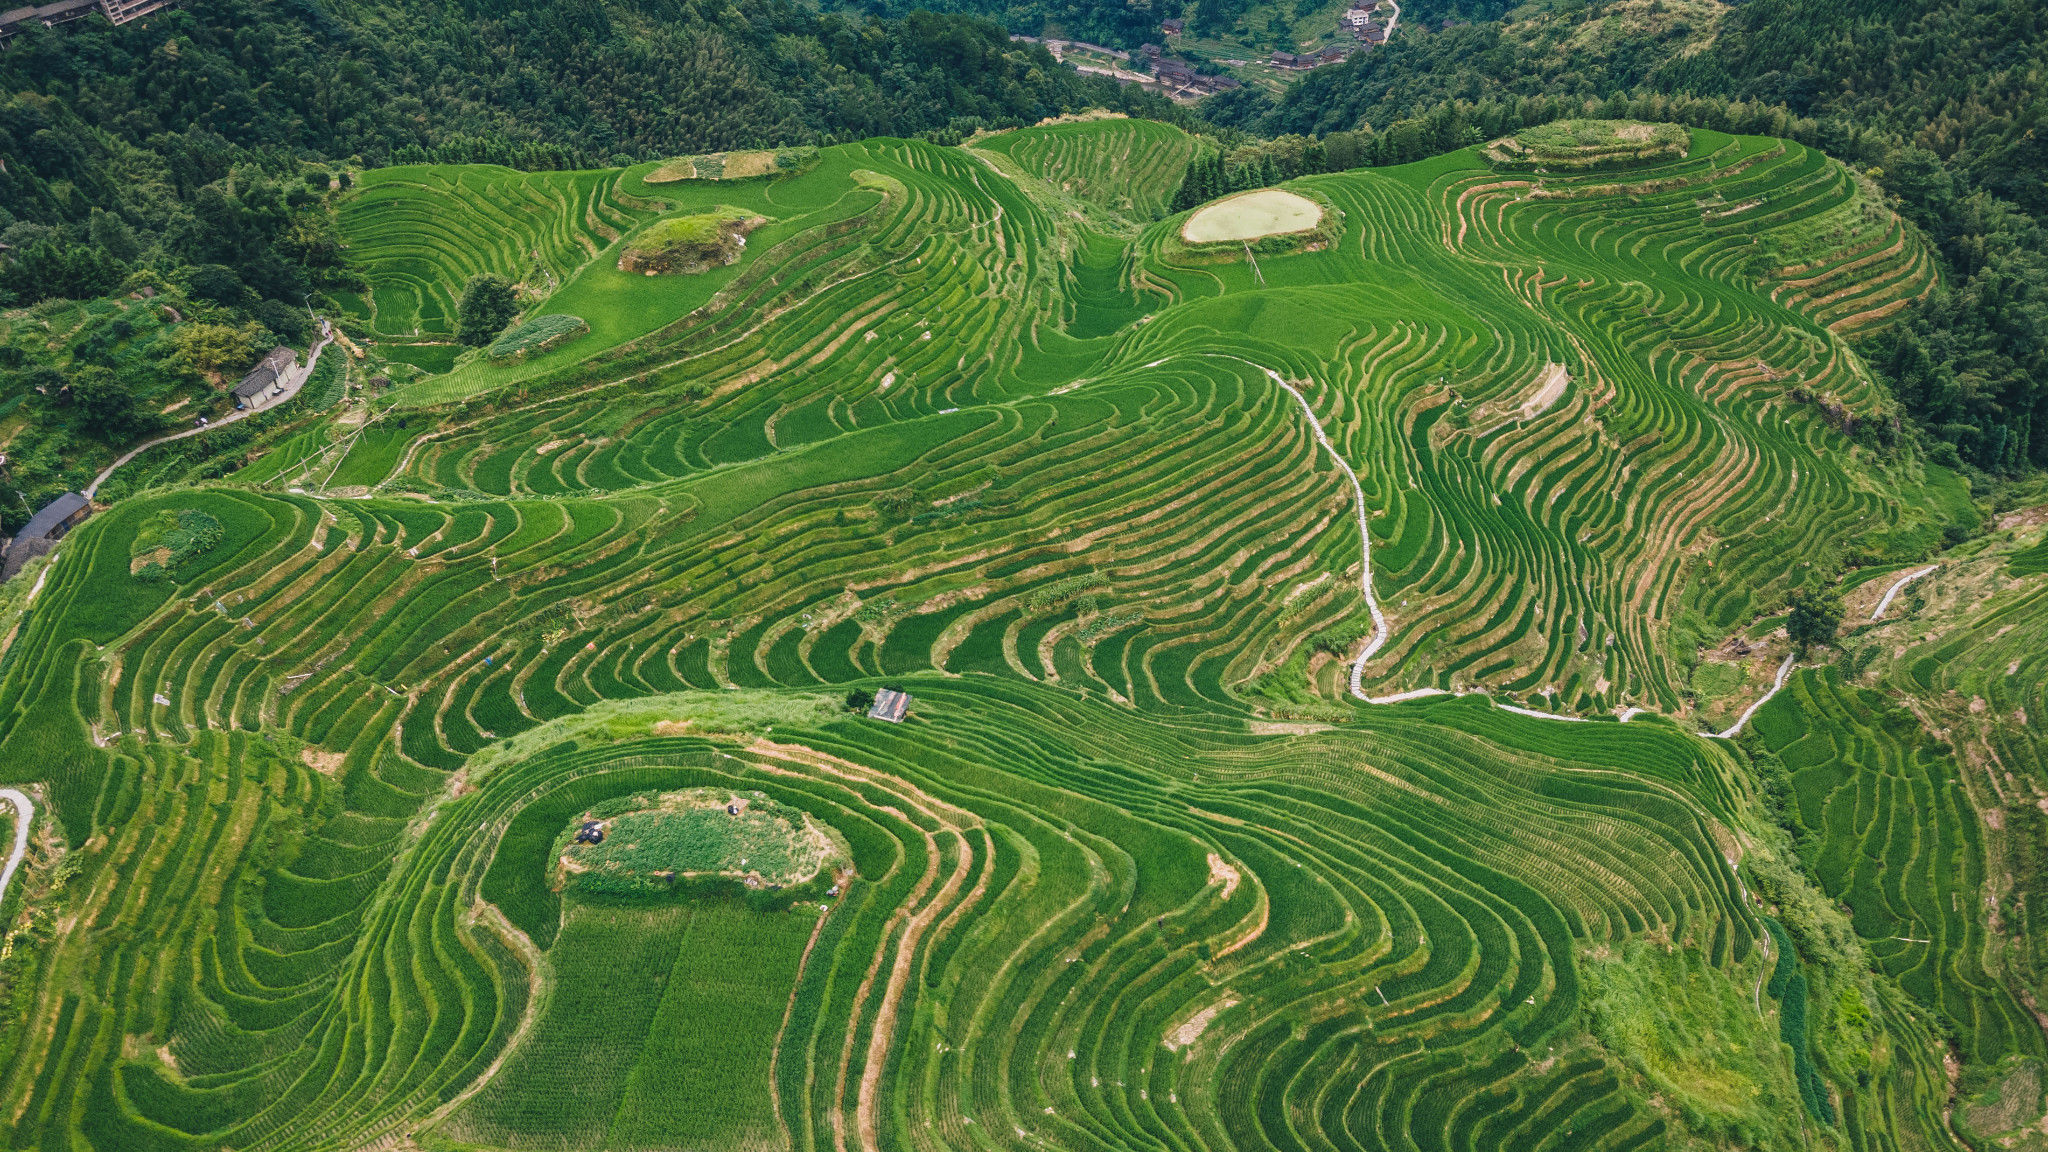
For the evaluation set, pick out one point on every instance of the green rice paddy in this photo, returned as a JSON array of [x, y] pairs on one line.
[[1140, 870]]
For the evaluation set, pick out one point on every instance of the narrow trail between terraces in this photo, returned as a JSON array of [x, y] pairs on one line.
[[1379, 619]]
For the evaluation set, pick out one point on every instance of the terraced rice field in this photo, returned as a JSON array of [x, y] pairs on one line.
[[1128, 167], [419, 233], [1140, 870]]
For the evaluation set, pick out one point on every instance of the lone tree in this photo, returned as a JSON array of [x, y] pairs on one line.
[[487, 305], [859, 700], [1813, 617]]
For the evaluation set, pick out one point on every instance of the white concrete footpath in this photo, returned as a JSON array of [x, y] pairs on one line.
[[1735, 729], [24, 814], [1899, 587], [1379, 620], [1372, 602]]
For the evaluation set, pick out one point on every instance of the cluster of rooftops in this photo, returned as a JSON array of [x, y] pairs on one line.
[[1363, 20], [65, 11]]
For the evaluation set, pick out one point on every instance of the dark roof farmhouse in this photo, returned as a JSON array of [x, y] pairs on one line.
[[43, 530], [266, 374], [1179, 74]]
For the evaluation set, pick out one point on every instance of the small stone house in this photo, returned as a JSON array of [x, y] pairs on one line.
[[265, 376]]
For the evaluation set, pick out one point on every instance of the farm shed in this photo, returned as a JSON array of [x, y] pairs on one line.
[[890, 705]]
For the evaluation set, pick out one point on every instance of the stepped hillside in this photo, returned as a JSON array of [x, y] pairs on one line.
[[1314, 642]]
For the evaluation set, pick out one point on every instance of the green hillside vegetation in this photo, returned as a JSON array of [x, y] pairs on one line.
[[1177, 847], [690, 244], [1128, 168], [1582, 145]]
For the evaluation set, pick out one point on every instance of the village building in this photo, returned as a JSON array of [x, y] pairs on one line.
[[890, 705], [1152, 50], [1357, 16], [42, 531], [1172, 27], [65, 11], [1293, 60], [265, 377]]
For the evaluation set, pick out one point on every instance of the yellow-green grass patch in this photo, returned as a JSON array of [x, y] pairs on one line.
[[1252, 216], [697, 832]]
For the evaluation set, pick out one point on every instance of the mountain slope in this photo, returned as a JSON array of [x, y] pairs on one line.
[[1121, 511]]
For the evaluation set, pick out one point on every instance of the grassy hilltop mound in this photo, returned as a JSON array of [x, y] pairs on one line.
[[689, 244], [1584, 145], [1310, 659]]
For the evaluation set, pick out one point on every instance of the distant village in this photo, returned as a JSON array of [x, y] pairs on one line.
[[65, 11], [1366, 23]]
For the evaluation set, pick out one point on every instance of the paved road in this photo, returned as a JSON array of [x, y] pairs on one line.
[[24, 812], [291, 389]]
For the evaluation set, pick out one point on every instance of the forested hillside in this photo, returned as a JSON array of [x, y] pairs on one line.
[[181, 140], [197, 153]]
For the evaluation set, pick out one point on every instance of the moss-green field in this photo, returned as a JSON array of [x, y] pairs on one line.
[[1309, 664]]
